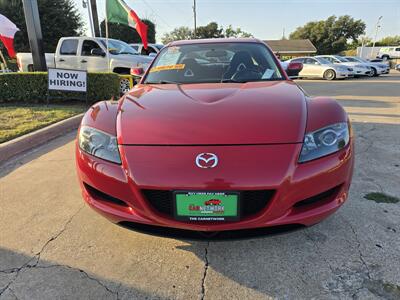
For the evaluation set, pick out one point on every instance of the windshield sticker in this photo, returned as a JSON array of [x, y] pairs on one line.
[[167, 68], [268, 74]]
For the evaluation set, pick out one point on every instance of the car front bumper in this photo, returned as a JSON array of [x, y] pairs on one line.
[[302, 193]]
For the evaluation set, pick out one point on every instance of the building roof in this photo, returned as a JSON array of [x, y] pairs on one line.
[[291, 46]]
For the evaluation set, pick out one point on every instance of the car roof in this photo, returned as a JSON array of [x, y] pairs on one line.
[[213, 41]]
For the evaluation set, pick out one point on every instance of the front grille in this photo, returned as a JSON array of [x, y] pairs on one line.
[[251, 202], [321, 198]]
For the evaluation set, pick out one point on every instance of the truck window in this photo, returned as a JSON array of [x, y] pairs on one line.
[[69, 47], [397, 49], [88, 46]]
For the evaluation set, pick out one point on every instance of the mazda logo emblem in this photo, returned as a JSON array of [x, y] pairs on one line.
[[206, 160]]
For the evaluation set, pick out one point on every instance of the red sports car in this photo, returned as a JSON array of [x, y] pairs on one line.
[[215, 119]]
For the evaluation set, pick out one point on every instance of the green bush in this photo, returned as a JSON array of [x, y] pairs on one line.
[[32, 88]]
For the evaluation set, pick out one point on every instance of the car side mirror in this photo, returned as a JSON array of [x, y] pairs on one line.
[[97, 52], [138, 72], [293, 69]]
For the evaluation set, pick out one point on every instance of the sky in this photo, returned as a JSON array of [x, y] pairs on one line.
[[265, 19]]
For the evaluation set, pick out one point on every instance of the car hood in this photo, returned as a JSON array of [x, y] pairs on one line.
[[213, 114]]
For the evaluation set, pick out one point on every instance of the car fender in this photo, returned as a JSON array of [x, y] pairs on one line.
[[102, 115], [323, 111]]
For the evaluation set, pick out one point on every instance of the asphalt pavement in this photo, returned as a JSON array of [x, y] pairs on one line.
[[54, 247]]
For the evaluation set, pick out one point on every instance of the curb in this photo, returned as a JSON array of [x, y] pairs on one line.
[[36, 138]]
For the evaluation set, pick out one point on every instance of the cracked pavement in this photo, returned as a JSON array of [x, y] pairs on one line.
[[54, 247]]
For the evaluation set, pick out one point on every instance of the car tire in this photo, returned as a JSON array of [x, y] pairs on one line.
[[374, 73], [329, 75]]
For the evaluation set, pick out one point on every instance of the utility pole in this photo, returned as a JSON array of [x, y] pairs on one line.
[[194, 17], [376, 34], [95, 18], [87, 6], [32, 20]]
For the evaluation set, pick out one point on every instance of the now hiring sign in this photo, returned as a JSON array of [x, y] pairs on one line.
[[67, 80]]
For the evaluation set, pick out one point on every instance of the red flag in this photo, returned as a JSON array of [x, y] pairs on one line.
[[7, 32], [119, 12]]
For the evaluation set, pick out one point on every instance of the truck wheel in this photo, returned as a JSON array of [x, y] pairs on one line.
[[385, 57], [329, 75], [30, 68], [124, 85]]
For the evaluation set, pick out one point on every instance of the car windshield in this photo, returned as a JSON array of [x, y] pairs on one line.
[[342, 59], [352, 59], [323, 61], [214, 62], [118, 47], [159, 46]]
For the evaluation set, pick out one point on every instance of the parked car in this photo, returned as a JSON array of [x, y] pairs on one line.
[[360, 69], [86, 53], [377, 68], [293, 70], [238, 129], [152, 49], [314, 67], [390, 52]]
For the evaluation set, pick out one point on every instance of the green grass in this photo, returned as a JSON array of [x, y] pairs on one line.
[[17, 120], [381, 198]]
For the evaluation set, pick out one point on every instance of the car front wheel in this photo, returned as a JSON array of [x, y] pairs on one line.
[[329, 75]]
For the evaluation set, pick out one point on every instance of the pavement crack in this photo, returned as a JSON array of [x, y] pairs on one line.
[[203, 280], [319, 250], [359, 251], [58, 234], [34, 261]]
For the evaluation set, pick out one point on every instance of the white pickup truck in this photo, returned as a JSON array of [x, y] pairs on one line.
[[86, 53]]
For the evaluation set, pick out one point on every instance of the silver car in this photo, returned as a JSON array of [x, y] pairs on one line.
[[360, 69], [377, 68], [314, 67]]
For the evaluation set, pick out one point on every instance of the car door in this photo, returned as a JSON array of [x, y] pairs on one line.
[[92, 57], [396, 53], [67, 57], [313, 66]]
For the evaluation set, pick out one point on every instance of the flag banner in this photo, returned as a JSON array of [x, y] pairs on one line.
[[119, 12], [7, 32]]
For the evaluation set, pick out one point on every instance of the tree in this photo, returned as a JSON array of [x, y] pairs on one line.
[[180, 33], [129, 34], [331, 35], [230, 32], [58, 18], [389, 41], [211, 30]]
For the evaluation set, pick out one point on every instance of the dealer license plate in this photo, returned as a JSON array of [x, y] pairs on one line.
[[206, 206]]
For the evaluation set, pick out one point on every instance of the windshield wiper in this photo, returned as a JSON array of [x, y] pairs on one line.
[[232, 80], [164, 82]]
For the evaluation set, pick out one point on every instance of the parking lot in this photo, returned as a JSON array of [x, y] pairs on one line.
[[54, 247]]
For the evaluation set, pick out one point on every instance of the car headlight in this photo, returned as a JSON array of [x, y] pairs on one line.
[[324, 141], [99, 144]]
